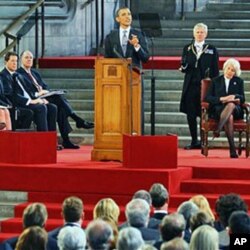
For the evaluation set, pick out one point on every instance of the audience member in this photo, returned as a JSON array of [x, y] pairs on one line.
[[159, 195], [203, 204], [137, 214], [204, 237], [129, 238], [199, 219], [38, 88], [15, 87], [224, 207], [72, 213], [187, 209], [175, 244], [21, 118], [147, 247], [32, 238], [172, 226], [71, 238], [99, 235], [239, 223]]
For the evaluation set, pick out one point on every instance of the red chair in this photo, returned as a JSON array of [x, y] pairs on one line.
[[210, 125]]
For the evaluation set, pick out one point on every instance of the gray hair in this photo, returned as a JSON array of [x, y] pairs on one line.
[[234, 63], [175, 244], [187, 209], [200, 26], [71, 238], [143, 194], [137, 213], [204, 237], [159, 195], [99, 235], [129, 238]]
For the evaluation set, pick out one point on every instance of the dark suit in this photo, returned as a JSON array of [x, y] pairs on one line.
[[20, 117], [218, 89], [63, 107], [153, 224], [160, 215], [44, 115]]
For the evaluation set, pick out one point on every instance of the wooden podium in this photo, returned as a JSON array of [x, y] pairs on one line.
[[117, 106]]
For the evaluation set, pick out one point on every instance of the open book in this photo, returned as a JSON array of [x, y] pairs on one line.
[[53, 92]]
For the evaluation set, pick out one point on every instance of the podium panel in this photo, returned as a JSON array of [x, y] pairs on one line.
[[117, 106]]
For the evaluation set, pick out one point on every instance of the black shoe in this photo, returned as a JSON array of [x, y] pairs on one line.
[[233, 154], [196, 145], [59, 147], [84, 124], [70, 145], [2, 125]]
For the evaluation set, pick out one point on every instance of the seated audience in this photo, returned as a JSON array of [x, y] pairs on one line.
[[224, 207], [34, 214], [159, 195], [225, 95], [38, 88], [204, 237], [72, 213], [71, 238], [203, 204], [99, 235], [239, 223], [187, 209], [137, 215], [199, 219], [172, 226], [175, 244], [147, 247], [32, 238], [16, 88], [129, 238]]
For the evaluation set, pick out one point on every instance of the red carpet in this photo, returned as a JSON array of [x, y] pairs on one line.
[[158, 62], [76, 174]]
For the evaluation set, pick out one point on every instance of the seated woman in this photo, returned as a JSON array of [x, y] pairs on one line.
[[225, 95]]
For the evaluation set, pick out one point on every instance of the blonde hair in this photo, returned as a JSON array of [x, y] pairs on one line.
[[233, 62], [203, 204], [200, 26]]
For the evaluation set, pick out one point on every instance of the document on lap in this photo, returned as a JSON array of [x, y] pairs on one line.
[[53, 92]]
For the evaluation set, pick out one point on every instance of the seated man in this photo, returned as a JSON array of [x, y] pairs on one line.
[[16, 88], [39, 88]]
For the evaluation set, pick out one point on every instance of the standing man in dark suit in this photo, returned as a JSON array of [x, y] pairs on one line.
[[15, 86], [127, 42], [199, 60], [39, 88]]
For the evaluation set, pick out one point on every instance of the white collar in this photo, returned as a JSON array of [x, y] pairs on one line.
[[199, 44]]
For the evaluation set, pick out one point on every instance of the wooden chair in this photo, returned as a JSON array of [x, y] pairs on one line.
[[210, 125]]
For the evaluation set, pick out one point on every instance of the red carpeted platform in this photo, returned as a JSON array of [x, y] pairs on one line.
[[158, 62], [75, 174]]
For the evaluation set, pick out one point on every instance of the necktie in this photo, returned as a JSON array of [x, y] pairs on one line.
[[35, 83], [124, 42]]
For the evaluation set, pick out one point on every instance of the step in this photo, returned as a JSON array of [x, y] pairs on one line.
[[228, 6], [13, 196]]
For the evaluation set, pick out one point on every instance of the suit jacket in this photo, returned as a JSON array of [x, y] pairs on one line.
[[218, 89], [159, 215], [208, 63], [113, 48], [4, 101]]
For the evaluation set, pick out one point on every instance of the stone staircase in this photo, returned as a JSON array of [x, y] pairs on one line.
[[80, 86]]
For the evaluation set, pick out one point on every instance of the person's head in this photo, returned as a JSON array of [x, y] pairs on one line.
[[137, 213], [99, 235], [175, 244], [143, 194], [71, 238], [231, 67], [35, 214], [159, 195], [204, 237], [200, 32], [202, 203], [72, 210], [172, 225], [32, 238], [199, 219], [147, 247], [187, 209], [239, 223], [106, 209], [227, 204], [11, 60], [124, 17], [26, 59], [129, 238]]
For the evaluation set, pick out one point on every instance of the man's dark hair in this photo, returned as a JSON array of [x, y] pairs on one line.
[[227, 204], [143, 194], [159, 195], [121, 8], [72, 209], [239, 222], [9, 54]]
